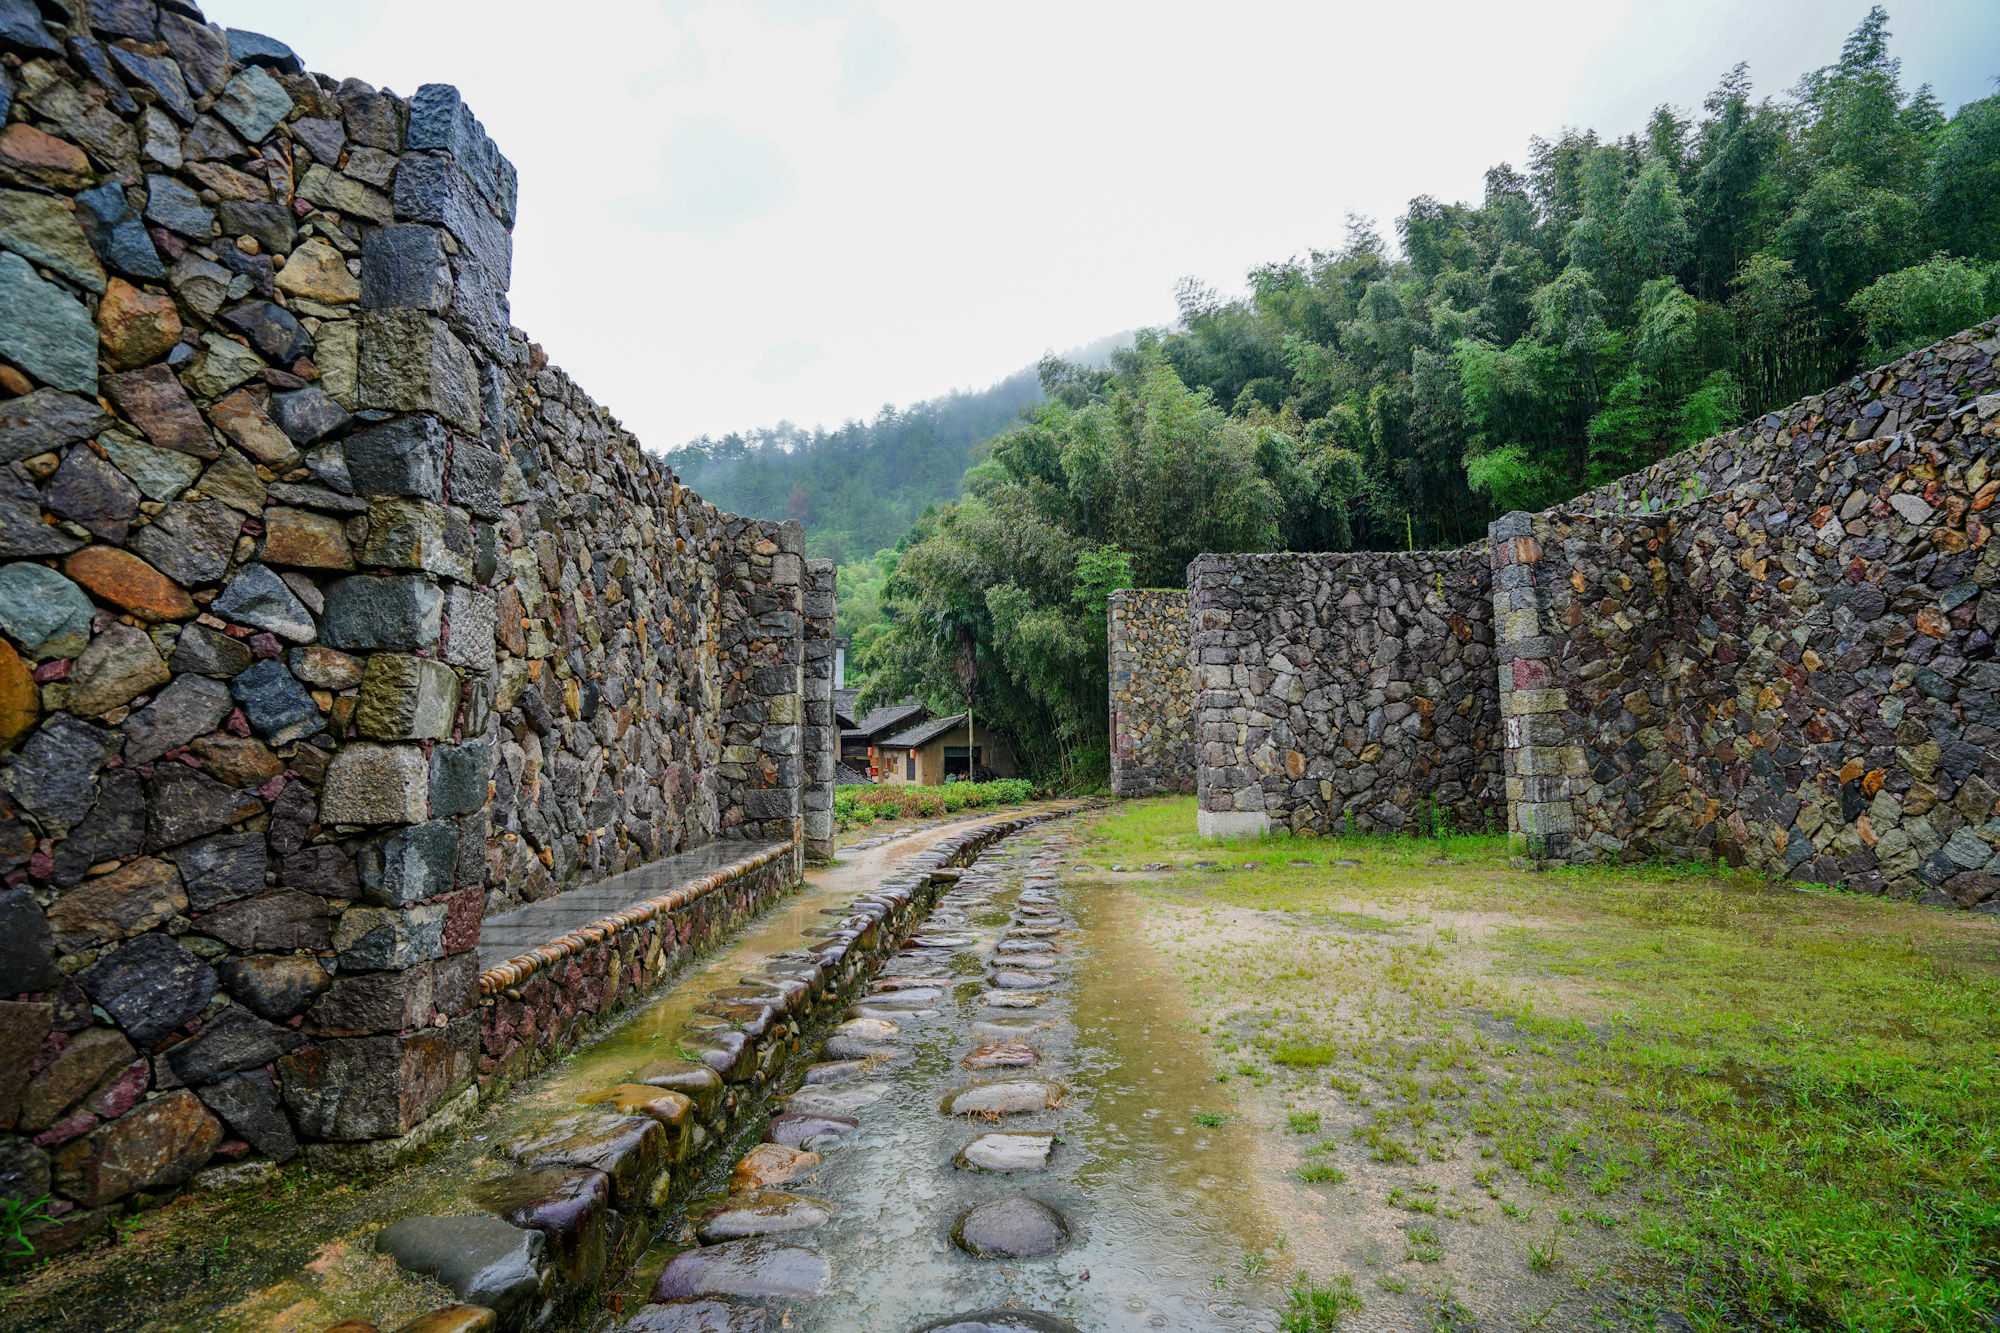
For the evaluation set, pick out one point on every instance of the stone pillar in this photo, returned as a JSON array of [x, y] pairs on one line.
[[396, 1036], [762, 641], [821, 739], [1228, 784], [1541, 821]]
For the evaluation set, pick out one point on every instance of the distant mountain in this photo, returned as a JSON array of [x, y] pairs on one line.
[[859, 488]]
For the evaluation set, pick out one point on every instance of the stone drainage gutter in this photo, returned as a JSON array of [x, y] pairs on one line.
[[539, 1245]]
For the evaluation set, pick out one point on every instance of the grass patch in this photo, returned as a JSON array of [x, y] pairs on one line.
[[1793, 1093], [1299, 1055], [1303, 1122], [1313, 1308], [1321, 1173]]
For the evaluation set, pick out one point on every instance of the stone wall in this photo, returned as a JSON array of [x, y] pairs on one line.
[[1775, 647], [822, 732], [1344, 692], [1152, 693], [332, 617]]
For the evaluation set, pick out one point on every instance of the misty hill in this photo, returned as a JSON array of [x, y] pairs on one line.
[[859, 488]]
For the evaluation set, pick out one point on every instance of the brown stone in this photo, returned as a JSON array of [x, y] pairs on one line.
[[154, 401], [237, 761], [158, 1144], [129, 583], [136, 327], [318, 272], [770, 1164], [35, 158], [664, 1105], [241, 417], [20, 697], [134, 898], [1001, 1055], [326, 668], [23, 1025], [300, 537], [454, 1319], [116, 667], [285, 919], [67, 1079]]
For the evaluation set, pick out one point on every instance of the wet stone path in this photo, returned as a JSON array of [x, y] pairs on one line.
[[988, 1139]]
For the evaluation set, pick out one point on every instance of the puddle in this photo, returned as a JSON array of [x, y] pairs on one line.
[[1160, 1207]]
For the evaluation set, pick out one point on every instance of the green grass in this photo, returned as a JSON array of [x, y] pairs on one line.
[[1303, 1122], [1313, 1308], [1321, 1173], [1210, 1119], [1794, 1094]]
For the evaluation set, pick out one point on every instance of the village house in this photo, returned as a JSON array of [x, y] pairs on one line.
[[934, 751]]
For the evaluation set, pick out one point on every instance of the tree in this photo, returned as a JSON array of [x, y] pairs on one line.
[[1904, 310]]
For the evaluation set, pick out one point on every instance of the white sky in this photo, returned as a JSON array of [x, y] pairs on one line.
[[734, 212]]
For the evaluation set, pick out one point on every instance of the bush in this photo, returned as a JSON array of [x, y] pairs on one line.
[[861, 805]]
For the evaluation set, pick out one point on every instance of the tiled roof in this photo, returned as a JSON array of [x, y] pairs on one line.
[[924, 733], [880, 720]]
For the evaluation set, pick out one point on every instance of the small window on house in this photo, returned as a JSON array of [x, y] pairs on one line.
[[955, 764], [910, 767]]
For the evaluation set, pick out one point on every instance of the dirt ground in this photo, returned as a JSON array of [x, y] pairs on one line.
[[1642, 1097]]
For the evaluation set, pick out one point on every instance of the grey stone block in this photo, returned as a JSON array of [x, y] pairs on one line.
[[459, 777], [439, 119], [407, 698], [472, 617], [476, 477], [404, 267], [404, 457], [410, 362], [367, 612], [376, 784], [409, 865]]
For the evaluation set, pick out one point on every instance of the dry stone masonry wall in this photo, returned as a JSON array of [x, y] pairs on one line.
[[333, 619], [1776, 647], [1343, 692], [1152, 693]]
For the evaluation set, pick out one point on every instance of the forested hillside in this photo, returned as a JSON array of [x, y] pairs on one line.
[[858, 489], [1617, 299]]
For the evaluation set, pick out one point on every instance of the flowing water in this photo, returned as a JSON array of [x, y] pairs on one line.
[[1160, 1208]]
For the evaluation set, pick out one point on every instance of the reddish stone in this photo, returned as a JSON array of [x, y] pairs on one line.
[[126, 581], [122, 1091], [463, 916], [135, 327], [154, 400], [84, 1063], [69, 1127], [29, 155]]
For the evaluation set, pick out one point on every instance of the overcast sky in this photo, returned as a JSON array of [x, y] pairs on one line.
[[736, 212]]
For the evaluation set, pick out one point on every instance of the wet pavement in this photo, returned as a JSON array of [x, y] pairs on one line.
[[1005, 1122]]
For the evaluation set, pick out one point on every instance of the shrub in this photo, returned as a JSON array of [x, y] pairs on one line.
[[857, 806]]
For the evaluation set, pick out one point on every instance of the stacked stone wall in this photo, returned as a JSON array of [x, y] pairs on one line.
[[1777, 648], [1152, 693], [1344, 692], [332, 617]]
